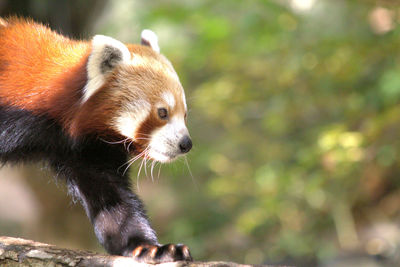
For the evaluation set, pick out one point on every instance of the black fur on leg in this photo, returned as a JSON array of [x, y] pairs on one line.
[[90, 168], [116, 213]]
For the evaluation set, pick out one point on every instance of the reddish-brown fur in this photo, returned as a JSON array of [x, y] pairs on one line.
[[41, 71], [44, 72]]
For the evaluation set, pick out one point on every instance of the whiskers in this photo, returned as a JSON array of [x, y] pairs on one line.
[[143, 164], [143, 154], [147, 163], [190, 172], [115, 142], [127, 142]]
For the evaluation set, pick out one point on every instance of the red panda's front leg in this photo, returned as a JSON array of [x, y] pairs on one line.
[[118, 217], [137, 95]]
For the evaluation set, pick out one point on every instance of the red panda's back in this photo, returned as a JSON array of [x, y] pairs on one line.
[[37, 65]]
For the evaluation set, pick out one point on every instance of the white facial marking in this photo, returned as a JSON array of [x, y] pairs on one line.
[[169, 99], [164, 144], [95, 76], [129, 120]]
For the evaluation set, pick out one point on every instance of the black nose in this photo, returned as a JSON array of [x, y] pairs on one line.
[[185, 144]]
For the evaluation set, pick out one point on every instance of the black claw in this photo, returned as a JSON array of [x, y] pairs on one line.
[[143, 252], [165, 253], [186, 254], [171, 248]]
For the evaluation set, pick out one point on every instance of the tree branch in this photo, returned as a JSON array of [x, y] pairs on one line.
[[22, 252]]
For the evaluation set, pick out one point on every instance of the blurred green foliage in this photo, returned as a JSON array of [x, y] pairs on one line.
[[295, 119]]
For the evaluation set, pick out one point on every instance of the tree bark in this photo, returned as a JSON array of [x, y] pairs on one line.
[[21, 252]]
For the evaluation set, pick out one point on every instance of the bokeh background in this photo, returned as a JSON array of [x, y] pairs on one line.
[[295, 117]]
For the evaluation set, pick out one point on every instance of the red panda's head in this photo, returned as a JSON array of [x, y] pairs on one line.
[[134, 92]]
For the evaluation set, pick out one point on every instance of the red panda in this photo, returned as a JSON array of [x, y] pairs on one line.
[[75, 104]]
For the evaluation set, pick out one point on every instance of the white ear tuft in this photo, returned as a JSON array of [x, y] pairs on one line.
[[106, 53], [149, 38]]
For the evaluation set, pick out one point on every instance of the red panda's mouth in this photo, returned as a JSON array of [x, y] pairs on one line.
[[161, 156], [144, 150]]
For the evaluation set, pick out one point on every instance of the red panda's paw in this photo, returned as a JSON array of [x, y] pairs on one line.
[[162, 253]]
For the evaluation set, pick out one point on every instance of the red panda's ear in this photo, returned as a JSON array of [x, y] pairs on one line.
[[106, 54], [149, 38]]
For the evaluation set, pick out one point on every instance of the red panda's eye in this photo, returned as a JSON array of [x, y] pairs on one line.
[[163, 113]]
